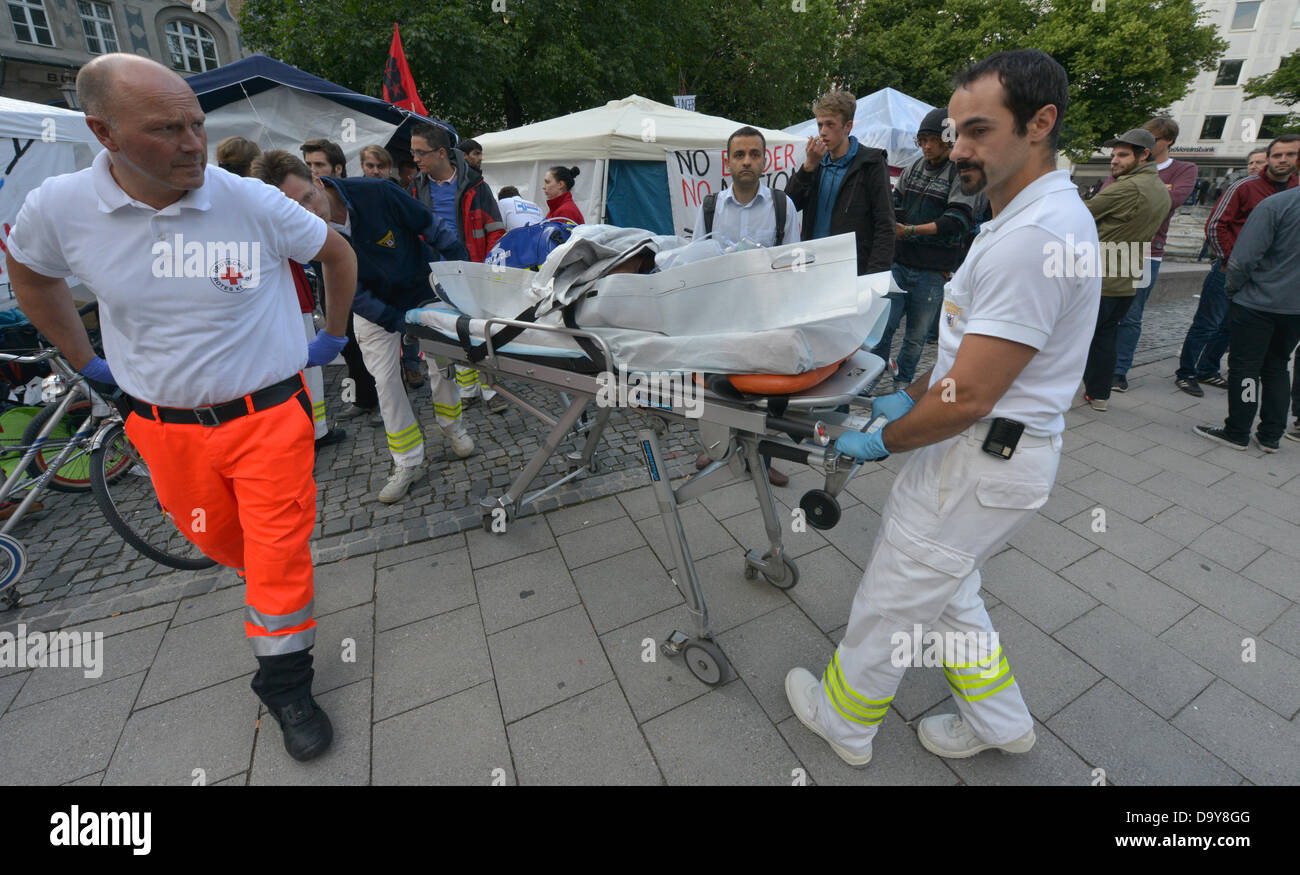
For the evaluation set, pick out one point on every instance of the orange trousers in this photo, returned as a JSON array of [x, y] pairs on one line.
[[244, 494]]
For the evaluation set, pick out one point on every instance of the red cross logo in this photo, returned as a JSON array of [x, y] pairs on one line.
[[231, 276]]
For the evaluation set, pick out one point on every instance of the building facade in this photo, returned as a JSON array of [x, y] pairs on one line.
[[43, 43]]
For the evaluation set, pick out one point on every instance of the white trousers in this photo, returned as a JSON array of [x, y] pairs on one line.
[[951, 508], [382, 352], [471, 384], [315, 385]]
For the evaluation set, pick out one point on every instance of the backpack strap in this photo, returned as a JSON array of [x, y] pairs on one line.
[[710, 202], [779, 202]]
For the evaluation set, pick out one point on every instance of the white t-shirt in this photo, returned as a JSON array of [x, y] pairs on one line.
[[1010, 286], [196, 301], [517, 212], [755, 220]]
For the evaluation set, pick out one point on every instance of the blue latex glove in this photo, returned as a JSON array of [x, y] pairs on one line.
[[892, 406], [867, 446], [97, 369], [324, 348]]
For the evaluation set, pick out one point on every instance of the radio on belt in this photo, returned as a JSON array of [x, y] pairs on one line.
[[1002, 438]]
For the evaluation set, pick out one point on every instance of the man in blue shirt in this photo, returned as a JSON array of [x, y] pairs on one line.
[[388, 231]]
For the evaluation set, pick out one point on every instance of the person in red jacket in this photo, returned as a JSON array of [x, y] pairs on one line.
[[557, 187]]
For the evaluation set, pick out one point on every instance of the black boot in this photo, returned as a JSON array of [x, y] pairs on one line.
[[284, 683]]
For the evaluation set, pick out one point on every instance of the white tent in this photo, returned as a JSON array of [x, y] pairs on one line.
[[36, 142], [611, 146], [885, 119]]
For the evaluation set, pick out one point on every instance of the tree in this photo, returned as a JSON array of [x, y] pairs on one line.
[[1283, 85]]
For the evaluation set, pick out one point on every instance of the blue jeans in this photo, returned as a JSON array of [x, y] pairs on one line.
[[1130, 327], [1207, 339], [923, 299]]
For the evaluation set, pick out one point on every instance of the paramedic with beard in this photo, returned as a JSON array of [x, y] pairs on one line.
[[1012, 345]]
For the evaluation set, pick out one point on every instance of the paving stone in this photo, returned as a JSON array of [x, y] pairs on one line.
[[854, 535], [88, 781], [522, 536], [688, 742], [198, 655], [622, 589], [428, 660], [1175, 437], [1285, 633], [599, 542], [459, 740], [1116, 495], [240, 780], [921, 688], [1108, 434], [729, 597], [763, 650], [64, 738], [1208, 503], [1277, 572], [546, 661], [117, 656], [1233, 596], [1064, 502], [1125, 538], [662, 683], [1147, 667], [1048, 674], [1134, 594], [1050, 544], [113, 624], [704, 535], [1180, 525], [1045, 599], [732, 500], [1268, 529], [211, 729], [9, 687], [1190, 467], [1256, 465], [524, 589], [1113, 731], [1050, 763], [590, 739], [827, 583], [639, 503], [347, 762], [335, 664], [1273, 678], [1071, 468], [339, 585], [212, 604], [749, 532], [421, 549], [897, 758], [872, 487], [1249, 737], [1230, 549], [423, 588], [1118, 463], [584, 516]]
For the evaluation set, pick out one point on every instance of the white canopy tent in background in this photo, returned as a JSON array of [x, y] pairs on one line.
[[885, 119], [36, 142], [619, 149]]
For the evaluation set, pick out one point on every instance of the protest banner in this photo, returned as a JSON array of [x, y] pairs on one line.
[[694, 173]]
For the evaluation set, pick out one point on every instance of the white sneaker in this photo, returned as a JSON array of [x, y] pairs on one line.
[[805, 693], [461, 444], [399, 482], [947, 735]]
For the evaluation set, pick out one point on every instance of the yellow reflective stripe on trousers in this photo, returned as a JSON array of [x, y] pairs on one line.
[[978, 682], [979, 663], [318, 411], [451, 411], [467, 378], [404, 439], [846, 700]]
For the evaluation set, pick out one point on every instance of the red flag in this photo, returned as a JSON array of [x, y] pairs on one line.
[[399, 85]]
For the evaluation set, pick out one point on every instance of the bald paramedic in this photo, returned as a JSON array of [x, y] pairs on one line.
[[985, 427], [203, 335]]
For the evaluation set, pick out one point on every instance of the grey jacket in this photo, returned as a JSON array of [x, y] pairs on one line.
[[1264, 268]]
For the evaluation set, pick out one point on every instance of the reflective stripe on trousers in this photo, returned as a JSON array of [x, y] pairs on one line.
[[951, 507], [471, 384], [315, 385]]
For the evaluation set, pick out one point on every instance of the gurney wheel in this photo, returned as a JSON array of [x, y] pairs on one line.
[[791, 574], [705, 661], [820, 509]]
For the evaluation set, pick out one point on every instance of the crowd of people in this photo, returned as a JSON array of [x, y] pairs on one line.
[[215, 368]]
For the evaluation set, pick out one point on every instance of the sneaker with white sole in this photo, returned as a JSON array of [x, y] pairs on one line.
[[1265, 444], [399, 482], [461, 444], [1294, 433], [1220, 436], [947, 735], [1096, 403], [804, 692]]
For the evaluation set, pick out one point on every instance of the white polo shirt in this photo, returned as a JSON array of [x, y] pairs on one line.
[[755, 220], [196, 302], [1012, 286], [517, 212]]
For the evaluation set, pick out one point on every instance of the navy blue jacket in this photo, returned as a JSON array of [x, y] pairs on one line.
[[392, 260]]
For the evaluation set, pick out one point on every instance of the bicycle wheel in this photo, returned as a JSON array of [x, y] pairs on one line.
[[74, 474], [13, 423], [120, 480]]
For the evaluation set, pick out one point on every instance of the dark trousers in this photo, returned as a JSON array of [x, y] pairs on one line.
[[284, 678], [1208, 337], [1100, 368], [1257, 371], [362, 380], [1295, 387]]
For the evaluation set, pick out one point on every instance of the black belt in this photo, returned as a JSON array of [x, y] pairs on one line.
[[217, 414]]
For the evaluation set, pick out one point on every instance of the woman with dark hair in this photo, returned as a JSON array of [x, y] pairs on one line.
[[236, 154], [556, 186]]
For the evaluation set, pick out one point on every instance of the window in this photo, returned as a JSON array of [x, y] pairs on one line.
[[30, 23], [97, 25], [1244, 16], [1229, 72], [192, 48], [1212, 127], [1274, 126]]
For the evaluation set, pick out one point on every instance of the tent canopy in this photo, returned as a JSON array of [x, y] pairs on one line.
[[279, 107], [42, 123], [885, 119], [620, 149]]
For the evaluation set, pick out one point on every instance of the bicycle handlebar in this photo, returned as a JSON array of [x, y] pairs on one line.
[[41, 356]]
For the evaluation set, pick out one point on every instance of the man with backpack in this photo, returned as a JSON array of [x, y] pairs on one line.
[[747, 210], [931, 235]]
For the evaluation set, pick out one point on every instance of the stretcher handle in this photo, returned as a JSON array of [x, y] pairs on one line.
[[533, 326], [782, 450], [799, 429]]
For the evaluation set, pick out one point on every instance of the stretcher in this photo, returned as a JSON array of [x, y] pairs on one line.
[[590, 365]]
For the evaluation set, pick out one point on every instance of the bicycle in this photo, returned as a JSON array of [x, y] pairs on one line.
[[118, 476]]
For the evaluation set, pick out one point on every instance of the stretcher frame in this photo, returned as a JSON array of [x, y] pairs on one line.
[[736, 432]]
